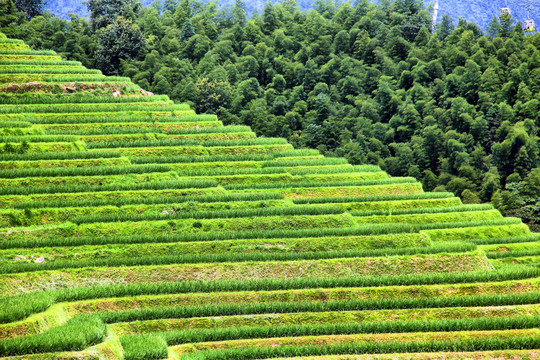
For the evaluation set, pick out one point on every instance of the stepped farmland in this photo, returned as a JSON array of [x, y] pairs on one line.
[[133, 228]]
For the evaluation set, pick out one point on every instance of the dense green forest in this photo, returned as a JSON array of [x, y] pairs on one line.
[[457, 108]]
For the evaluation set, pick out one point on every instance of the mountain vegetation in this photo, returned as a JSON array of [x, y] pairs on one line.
[[457, 108], [133, 228]]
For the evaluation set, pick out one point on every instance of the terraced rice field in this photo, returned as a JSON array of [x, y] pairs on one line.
[[133, 228]]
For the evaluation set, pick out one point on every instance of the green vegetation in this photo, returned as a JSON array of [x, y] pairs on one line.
[[324, 184], [318, 310], [105, 170], [197, 336], [145, 347], [372, 245], [113, 196], [133, 228], [365, 347], [59, 156], [455, 106], [208, 258], [150, 118], [115, 186], [441, 232], [77, 334], [497, 289], [426, 218], [264, 212], [146, 198], [113, 161]]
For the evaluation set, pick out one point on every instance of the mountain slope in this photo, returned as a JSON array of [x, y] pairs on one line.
[[134, 228]]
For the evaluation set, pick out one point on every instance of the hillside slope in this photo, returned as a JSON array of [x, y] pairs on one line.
[[133, 228]]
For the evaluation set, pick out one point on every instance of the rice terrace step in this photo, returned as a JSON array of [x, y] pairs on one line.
[[133, 228]]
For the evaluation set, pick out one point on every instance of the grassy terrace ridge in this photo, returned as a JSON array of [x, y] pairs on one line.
[[133, 228], [470, 355]]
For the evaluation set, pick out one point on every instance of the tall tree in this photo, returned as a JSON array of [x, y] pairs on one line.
[[270, 18], [444, 27], [170, 5], [239, 13], [10, 18], [507, 25], [104, 12], [121, 40], [32, 8], [187, 30]]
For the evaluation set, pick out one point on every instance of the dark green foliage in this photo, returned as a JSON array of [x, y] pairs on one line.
[[187, 31], [122, 40], [32, 8], [104, 12], [10, 18], [211, 95], [521, 198]]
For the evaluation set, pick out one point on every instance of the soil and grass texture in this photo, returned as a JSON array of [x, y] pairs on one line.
[[133, 228]]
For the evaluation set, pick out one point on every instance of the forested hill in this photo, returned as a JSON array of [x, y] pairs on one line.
[[477, 11]]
